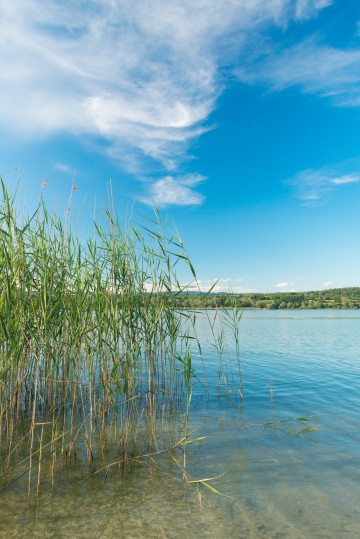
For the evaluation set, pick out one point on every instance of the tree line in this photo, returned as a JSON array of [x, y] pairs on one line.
[[337, 298]]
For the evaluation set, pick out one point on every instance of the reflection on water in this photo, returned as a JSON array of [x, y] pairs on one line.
[[278, 481]]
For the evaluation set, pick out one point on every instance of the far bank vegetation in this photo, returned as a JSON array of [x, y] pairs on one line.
[[337, 298]]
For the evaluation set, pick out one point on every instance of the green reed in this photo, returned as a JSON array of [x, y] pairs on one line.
[[92, 348]]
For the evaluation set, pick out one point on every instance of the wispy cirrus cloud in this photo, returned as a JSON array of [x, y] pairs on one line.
[[343, 180], [315, 68], [142, 75], [65, 168], [312, 186]]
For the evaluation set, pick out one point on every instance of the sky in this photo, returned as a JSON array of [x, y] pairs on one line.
[[238, 119]]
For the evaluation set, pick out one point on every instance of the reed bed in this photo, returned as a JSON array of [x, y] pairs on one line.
[[94, 358]]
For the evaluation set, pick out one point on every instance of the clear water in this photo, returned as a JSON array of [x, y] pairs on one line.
[[278, 482]]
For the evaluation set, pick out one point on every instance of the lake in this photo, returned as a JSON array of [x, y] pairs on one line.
[[285, 457]]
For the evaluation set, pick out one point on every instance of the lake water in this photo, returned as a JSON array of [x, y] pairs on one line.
[[287, 455]]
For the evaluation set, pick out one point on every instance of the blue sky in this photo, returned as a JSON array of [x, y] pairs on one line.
[[240, 119]]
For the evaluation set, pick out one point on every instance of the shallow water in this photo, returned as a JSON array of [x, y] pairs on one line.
[[277, 481]]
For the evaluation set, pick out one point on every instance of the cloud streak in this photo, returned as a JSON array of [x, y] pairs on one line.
[[312, 186], [315, 68]]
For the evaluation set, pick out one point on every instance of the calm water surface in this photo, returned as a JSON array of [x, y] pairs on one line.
[[278, 481]]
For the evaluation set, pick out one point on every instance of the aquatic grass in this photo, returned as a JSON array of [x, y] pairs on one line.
[[231, 317], [84, 326], [94, 351]]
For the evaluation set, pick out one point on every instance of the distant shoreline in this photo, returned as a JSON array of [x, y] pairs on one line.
[[268, 309], [331, 299]]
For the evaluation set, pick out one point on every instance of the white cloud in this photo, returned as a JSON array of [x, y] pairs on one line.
[[328, 283], [66, 169], [305, 9], [282, 285], [348, 178], [314, 68], [174, 191], [221, 286], [312, 185], [142, 74], [234, 289]]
